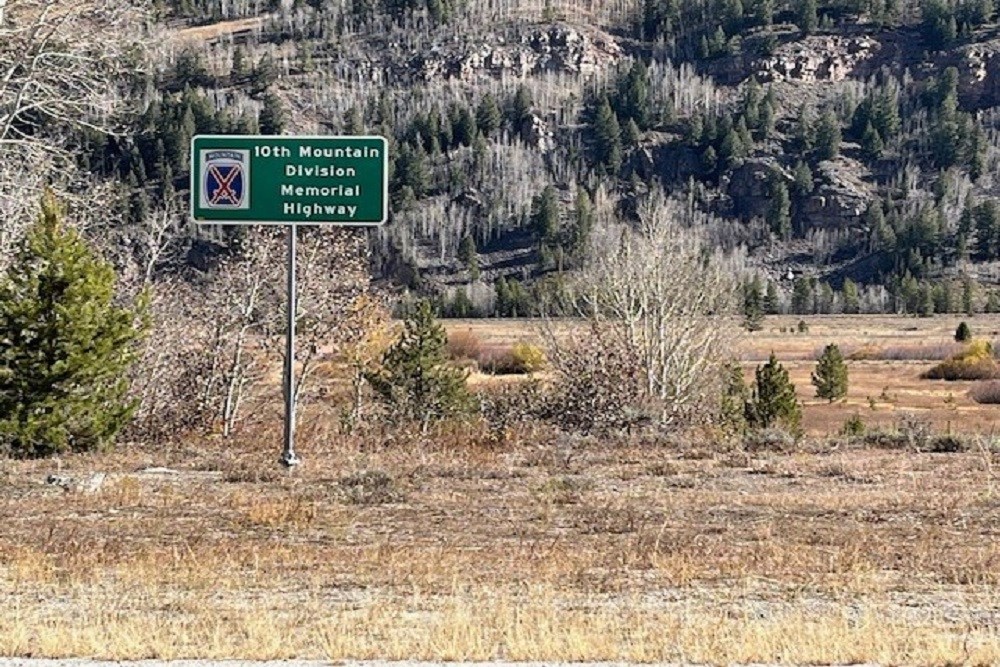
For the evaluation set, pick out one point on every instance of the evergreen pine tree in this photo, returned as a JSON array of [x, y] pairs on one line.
[[734, 400], [993, 303], [607, 137], [632, 102], [778, 215], [773, 399], [272, 115], [753, 305], [968, 296], [488, 115], [828, 136], [240, 70], [802, 297], [414, 379], [771, 303], [963, 334], [852, 300], [803, 179], [807, 18], [545, 215], [66, 346], [468, 255], [520, 107], [871, 143], [830, 376]]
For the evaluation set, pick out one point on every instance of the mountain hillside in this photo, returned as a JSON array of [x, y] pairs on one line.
[[847, 147]]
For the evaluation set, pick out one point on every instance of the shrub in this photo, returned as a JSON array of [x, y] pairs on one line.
[[802, 327], [830, 376], [987, 393], [528, 357], [464, 345], [597, 387], [521, 359], [66, 345], [975, 362], [369, 487], [769, 439], [774, 399], [963, 333], [853, 427]]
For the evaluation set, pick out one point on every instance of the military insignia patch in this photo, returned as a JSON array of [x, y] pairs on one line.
[[225, 180]]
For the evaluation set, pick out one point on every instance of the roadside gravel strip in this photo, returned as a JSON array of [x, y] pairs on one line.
[[32, 662]]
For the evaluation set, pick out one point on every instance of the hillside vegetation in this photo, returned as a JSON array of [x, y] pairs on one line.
[[848, 146]]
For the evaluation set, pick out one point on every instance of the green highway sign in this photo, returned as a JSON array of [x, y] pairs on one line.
[[239, 179]]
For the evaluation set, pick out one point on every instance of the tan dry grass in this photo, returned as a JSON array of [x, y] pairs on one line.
[[881, 390], [483, 625], [554, 550]]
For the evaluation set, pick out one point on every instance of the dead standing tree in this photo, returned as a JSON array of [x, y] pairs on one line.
[[64, 65], [656, 302]]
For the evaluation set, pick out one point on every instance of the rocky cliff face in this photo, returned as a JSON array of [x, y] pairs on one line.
[[842, 194], [979, 73], [816, 59], [555, 48]]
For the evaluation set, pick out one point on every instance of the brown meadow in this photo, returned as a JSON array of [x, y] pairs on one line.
[[541, 546]]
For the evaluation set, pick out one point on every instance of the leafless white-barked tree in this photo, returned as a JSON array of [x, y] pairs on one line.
[[64, 65]]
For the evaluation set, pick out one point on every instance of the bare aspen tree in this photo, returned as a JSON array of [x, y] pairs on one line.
[[657, 302], [64, 65], [218, 337]]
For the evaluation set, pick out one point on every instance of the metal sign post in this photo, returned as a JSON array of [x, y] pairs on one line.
[[279, 180], [288, 457]]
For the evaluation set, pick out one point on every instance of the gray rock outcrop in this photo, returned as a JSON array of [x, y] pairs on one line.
[[816, 58]]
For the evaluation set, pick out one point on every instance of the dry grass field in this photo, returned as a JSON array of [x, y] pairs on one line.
[[543, 546], [885, 383]]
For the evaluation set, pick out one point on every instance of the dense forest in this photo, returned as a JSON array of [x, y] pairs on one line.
[[843, 150]]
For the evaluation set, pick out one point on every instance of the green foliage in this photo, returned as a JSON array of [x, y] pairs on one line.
[[545, 214], [773, 401], [807, 19], [771, 303], [632, 102], [468, 255], [779, 208], [734, 401], [853, 427], [852, 299], [607, 135], [272, 115], [753, 309], [830, 376], [871, 143], [968, 296], [975, 362], [488, 117], [828, 136], [414, 379], [527, 357], [963, 333], [520, 107], [66, 345], [939, 27], [802, 296]]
